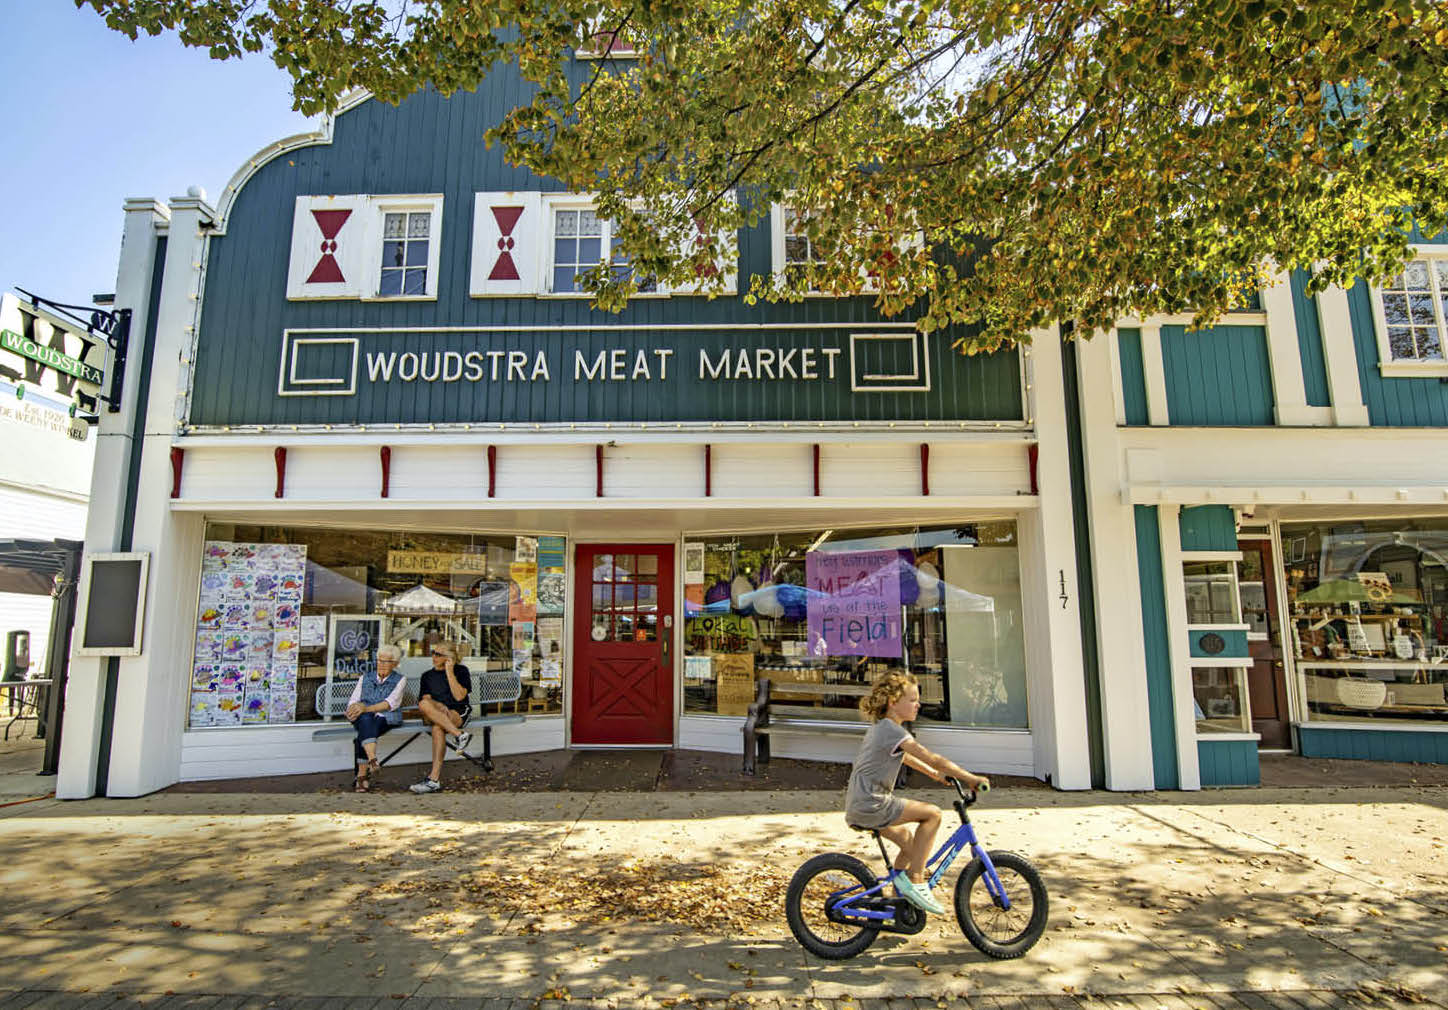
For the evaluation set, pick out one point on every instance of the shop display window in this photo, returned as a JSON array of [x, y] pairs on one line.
[[1216, 600], [1367, 604], [1211, 588], [289, 617], [834, 609], [1219, 698]]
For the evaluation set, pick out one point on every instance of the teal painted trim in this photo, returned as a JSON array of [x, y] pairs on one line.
[[1309, 342], [1166, 774], [1217, 377], [1228, 762], [1085, 575], [1208, 528], [1236, 645], [1133, 376], [1374, 745], [1395, 402]]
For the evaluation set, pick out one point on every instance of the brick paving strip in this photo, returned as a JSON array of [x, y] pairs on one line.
[[1303, 999]]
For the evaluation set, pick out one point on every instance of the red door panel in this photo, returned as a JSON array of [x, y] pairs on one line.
[[623, 677]]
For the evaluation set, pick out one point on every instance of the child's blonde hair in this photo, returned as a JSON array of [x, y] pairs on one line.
[[887, 690]]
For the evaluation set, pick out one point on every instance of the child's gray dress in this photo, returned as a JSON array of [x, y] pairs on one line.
[[870, 800]]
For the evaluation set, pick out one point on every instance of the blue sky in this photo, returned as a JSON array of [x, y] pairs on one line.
[[90, 118]]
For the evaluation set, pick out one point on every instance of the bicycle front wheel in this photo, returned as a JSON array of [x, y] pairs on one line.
[[813, 887], [999, 932]]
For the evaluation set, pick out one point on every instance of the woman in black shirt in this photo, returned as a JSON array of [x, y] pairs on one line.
[[442, 700]]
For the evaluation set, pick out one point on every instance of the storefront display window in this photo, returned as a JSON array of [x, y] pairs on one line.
[[821, 609], [1367, 602], [289, 617], [1211, 592], [1219, 694]]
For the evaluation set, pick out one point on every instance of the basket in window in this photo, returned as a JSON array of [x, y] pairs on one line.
[[1359, 692]]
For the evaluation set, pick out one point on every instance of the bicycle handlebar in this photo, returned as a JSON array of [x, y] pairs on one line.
[[962, 791]]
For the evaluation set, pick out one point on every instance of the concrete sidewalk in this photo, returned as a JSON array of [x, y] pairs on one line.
[[677, 896]]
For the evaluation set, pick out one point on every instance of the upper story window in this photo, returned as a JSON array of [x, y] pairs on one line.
[[581, 241], [1411, 310], [405, 243], [365, 247], [799, 253]]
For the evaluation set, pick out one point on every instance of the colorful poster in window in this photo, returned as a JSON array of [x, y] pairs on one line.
[[523, 592], [247, 634], [853, 603], [552, 588], [551, 552]]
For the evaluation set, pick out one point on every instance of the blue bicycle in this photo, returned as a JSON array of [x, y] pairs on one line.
[[836, 906]]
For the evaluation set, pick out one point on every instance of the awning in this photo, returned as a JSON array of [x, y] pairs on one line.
[[30, 566]]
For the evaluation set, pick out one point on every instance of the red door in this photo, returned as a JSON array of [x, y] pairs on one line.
[[623, 673]]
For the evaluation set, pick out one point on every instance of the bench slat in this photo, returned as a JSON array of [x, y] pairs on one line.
[[800, 687], [804, 726], [811, 712]]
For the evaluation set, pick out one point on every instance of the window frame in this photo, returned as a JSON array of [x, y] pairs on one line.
[[778, 214], [1392, 367], [379, 207], [554, 202]]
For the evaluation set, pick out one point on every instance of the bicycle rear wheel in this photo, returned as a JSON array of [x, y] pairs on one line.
[[995, 931], [806, 900]]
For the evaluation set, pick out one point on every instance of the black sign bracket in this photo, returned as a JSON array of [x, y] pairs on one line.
[[114, 327]]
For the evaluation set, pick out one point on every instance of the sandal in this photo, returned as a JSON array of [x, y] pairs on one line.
[[361, 784]]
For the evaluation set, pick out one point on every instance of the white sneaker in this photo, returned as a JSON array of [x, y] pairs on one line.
[[917, 894], [463, 739], [426, 786]]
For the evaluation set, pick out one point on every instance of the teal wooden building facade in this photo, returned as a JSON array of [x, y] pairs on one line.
[[373, 409]]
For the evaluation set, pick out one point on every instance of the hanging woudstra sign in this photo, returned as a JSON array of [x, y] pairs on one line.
[[40, 350]]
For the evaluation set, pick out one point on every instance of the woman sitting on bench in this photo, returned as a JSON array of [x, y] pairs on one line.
[[374, 708], [442, 700]]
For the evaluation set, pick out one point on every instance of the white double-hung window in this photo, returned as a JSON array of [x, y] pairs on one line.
[[1412, 316], [406, 246], [581, 241]]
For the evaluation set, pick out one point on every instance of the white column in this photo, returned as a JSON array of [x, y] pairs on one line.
[[1122, 657], [151, 707], [1178, 652], [1284, 355], [1340, 357], [85, 688], [1053, 625], [1153, 369]]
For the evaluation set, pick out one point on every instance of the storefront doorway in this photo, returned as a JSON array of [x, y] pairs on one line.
[[623, 671], [1266, 677]]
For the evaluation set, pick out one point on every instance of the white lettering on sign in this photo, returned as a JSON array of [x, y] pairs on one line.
[[611, 364], [766, 363]]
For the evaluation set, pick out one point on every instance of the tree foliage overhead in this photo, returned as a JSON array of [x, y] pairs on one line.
[[1002, 163]]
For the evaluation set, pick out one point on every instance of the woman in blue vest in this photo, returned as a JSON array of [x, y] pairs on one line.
[[374, 708]]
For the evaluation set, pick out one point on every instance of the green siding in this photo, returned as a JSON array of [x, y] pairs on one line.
[[1133, 376], [1309, 342], [431, 144], [1236, 646], [1217, 376], [1228, 762], [1208, 528], [1166, 774], [1374, 745], [1392, 402]]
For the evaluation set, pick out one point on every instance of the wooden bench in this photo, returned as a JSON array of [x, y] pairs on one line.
[[767, 717], [489, 688]]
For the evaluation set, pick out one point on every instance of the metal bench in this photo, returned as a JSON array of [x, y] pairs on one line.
[[766, 717], [489, 688]]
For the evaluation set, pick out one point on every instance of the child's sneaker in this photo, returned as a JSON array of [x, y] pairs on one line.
[[917, 894], [426, 786]]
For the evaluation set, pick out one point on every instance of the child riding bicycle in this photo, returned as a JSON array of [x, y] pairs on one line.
[[870, 800]]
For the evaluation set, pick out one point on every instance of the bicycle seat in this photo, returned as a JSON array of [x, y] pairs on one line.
[[861, 827]]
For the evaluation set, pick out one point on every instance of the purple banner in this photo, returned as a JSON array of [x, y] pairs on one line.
[[854, 603]]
